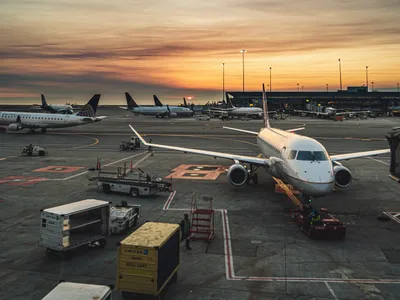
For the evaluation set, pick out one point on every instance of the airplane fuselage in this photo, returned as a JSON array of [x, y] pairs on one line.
[[300, 160], [39, 120], [245, 111], [160, 110]]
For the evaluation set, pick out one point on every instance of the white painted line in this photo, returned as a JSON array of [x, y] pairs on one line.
[[169, 200], [379, 161], [331, 291], [392, 217]]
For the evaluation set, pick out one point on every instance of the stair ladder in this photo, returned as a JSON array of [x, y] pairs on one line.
[[202, 221]]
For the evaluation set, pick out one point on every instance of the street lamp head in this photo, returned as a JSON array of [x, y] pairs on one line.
[[242, 51], [270, 68]]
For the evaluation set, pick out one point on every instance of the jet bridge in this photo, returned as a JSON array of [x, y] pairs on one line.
[[394, 141]]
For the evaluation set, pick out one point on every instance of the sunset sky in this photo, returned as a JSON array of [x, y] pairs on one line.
[[71, 49]]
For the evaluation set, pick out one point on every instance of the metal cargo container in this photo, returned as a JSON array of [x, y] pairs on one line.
[[148, 259], [75, 224]]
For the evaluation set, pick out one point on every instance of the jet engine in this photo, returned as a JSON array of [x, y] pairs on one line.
[[343, 177], [237, 175], [14, 127]]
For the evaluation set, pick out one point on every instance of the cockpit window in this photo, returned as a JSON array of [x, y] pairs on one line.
[[292, 154], [320, 155], [312, 155], [305, 155]]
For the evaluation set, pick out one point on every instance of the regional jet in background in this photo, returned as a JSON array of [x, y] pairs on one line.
[[240, 112], [301, 161], [330, 112], [181, 111], [15, 121], [157, 111], [56, 108]]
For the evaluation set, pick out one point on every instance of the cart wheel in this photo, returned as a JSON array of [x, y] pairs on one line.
[[134, 192], [106, 188], [102, 243], [124, 203], [41, 153]]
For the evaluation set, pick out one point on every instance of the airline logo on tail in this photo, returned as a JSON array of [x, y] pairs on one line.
[[129, 101], [157, 101], [89, 110]]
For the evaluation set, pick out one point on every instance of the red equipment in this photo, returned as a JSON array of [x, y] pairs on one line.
[[202, 221], [329, 227]]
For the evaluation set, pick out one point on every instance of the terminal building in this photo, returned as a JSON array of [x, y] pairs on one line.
[[354, 98]]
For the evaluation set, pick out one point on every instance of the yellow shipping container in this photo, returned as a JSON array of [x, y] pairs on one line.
[[149, 258]]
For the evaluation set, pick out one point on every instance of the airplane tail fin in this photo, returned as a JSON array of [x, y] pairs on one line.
[[184, 102], [265, 109], [44, 103], [90, 108], [157, 101], [130, 102], [230, 105]]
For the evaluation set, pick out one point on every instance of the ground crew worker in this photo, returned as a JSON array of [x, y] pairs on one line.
[[150, 149], [186, 231], [315, 218]]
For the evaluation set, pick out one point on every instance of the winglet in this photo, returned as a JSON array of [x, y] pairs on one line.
[[265, 108], [139, 136]]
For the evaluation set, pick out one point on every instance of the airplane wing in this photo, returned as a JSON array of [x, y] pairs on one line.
[[234, 157], [124, 107], [295, 129], [240, 130], [348, 156], [97, 119]]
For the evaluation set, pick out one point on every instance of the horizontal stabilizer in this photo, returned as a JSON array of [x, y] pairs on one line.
[[241, 130]]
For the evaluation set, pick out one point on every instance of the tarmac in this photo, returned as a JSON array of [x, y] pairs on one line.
[[257, 253]]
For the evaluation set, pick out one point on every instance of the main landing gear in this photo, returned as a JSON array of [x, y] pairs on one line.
[[253, 176], [43, 130]]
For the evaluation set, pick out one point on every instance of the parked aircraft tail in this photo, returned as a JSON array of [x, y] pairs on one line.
[[130, 102], [230, 105], [44, 103], [90, 108], [265, 109], [157, 101], [184, 102]]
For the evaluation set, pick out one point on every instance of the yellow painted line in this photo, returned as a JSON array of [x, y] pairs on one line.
[[4, 158], [96, 141], [365, 139], [348, 138]]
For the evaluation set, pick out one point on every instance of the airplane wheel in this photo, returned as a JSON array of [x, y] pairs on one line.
[[255, 178], [44, 130]]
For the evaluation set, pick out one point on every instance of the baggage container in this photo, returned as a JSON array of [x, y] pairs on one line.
[[75, 224], [79, 291], [148, 259]]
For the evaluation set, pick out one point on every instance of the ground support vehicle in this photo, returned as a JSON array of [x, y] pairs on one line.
[[133, 183], [133, 144], [34, 151], [328, 228], [123, 217], [148, 260], [79, 291], [74, 225]]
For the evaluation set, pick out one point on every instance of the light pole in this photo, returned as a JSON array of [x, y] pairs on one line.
[[372, 85], [297, 87], [327, 88], [340, 73], [223, 82], [397, 87], [302, 88], [366, 74], [243, 51], [270, 84]]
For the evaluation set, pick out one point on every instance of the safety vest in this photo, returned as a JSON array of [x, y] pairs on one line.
[[315, 219]]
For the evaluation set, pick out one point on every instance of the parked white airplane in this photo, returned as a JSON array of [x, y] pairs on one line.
[[300, 160], [16, 121], [56, 108], [331, 112]]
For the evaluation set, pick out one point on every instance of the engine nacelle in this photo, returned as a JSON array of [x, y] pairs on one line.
[[343, 177], [173, 114], [14, 127], [237, 175]]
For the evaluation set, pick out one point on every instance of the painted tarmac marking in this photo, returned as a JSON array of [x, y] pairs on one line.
[[169, 200], [203, 172], [379, 161], [331, 290], [21, 180], [230, 271], [58, 169], [393, 215]]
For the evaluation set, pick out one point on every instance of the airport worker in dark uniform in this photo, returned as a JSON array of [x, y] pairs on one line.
[[186, 231]]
